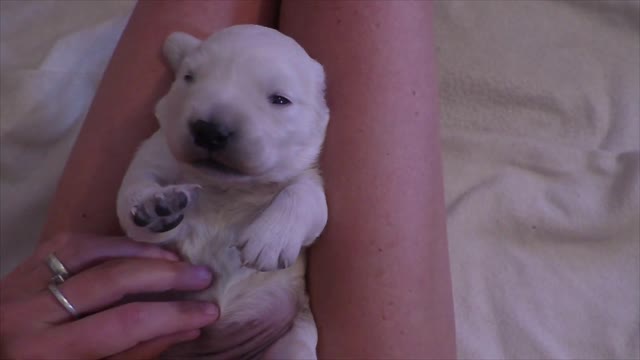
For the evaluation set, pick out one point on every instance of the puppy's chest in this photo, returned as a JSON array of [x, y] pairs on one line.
[[215, 221]]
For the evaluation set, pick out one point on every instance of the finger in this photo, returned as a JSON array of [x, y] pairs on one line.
[[118, 329], [152, 348], [82, 251], [78, 252], [103, 285]]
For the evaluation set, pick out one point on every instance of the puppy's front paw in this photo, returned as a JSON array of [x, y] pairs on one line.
[[266, 247], [163, 210]]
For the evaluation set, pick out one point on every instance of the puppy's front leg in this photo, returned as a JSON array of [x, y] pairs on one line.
[[294, 219], [148, 208]]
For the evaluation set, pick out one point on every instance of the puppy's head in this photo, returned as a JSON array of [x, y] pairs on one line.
[[247, 104]]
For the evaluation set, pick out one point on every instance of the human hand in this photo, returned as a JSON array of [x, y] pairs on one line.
[[35, 325]]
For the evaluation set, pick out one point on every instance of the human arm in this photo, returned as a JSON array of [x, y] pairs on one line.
[[121, 115], [383, 257]]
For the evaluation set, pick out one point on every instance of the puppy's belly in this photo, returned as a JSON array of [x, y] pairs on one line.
[[255, 312]]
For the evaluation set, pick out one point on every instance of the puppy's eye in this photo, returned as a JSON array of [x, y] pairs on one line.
[[279, 100], [188, 78]]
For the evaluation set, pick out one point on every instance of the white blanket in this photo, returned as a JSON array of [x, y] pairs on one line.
[[52, 56], [541, 136]]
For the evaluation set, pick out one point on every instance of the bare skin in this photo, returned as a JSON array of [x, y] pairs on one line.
[[85, 203], [31, 315], [121, 115], [388, 279]]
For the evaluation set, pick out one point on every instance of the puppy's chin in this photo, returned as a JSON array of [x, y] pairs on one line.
[[228, 172], [218, 168], [216, 173]]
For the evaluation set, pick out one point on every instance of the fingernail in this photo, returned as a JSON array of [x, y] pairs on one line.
[[201, 273], [209, 308]]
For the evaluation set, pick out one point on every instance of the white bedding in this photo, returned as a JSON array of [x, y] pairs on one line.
[[52, 55], [541, 136]]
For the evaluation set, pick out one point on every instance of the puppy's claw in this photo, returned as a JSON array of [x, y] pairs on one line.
[[140, 216], [190, 191], [182, 200]]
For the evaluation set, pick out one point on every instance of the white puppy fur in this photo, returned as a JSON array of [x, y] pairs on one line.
[[242, 196]]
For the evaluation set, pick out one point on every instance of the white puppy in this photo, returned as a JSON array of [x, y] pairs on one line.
[[230, 181]]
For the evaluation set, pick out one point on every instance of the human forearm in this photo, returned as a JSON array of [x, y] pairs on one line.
[[121, 115], [379, 277]]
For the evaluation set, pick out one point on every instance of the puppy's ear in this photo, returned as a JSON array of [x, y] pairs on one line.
[[320, 88], [161, 111], [177, 46]]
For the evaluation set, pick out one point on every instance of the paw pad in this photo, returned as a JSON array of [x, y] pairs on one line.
[[164, 210]]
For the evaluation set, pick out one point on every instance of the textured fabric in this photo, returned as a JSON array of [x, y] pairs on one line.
[[541, 136], [52, 56]]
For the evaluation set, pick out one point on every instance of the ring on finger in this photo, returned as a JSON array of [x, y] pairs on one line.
[[66, 304], [60, 272]]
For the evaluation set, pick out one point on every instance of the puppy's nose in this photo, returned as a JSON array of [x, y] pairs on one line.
[[209, 135]]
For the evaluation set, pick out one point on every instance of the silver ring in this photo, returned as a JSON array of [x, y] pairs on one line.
[[60, 272], [53, 288], [57, 279]]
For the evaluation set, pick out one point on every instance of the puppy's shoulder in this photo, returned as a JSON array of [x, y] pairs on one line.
[[155, 144], [155, 147]]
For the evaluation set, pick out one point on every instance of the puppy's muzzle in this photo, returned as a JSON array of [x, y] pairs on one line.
[[210, 135]]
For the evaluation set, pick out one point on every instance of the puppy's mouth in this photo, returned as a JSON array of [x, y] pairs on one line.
[[217, 166]]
